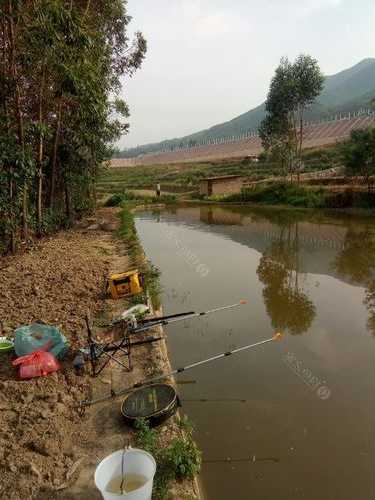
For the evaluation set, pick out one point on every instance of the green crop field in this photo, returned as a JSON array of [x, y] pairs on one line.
[[179, 178], [175, 178]]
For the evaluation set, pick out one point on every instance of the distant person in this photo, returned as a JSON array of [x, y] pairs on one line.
[[158, 190]]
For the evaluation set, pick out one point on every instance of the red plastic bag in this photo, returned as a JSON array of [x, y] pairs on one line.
[[37, 364]]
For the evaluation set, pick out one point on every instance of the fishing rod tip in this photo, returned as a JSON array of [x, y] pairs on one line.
[[277, 336]]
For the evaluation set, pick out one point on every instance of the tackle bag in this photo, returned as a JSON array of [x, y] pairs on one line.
[[35, 337], [36, 364]]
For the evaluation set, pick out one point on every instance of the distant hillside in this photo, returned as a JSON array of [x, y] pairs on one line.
[[348, 90]]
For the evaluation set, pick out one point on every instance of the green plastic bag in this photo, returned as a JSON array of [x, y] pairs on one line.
[[30, 338]]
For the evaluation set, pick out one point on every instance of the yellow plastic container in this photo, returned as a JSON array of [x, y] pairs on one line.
[[124, 284]]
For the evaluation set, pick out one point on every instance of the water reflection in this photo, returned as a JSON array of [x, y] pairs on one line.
[[357, 261], [287, 305], [290, 238], [294, 244], [370, 304]]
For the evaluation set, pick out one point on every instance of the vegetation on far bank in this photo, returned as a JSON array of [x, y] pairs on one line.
[[280, 193], [129, 198], [299, 196], [358, 154]]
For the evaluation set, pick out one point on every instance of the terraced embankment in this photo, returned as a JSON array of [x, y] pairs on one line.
[[318, 134]]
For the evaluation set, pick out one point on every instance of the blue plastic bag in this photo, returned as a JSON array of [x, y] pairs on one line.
[[30, 338]]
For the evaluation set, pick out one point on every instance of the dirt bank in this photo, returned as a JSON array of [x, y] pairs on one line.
[[48, 450]]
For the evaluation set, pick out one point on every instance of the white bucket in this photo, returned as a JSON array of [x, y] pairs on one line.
[[135, 462]]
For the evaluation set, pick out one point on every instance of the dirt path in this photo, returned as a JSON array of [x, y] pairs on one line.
[[47, 449]]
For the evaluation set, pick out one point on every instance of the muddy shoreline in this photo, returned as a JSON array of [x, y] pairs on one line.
[[49, 450]]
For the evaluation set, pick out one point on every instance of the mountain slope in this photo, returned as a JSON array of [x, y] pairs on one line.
[[349, 85], [347, 90]]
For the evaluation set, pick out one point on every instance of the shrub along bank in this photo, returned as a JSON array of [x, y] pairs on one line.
[[294, 195]]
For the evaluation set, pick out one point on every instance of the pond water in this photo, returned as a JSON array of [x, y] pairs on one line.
[[293, 419]]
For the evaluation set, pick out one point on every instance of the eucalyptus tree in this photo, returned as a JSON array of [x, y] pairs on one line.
[[294, 87]]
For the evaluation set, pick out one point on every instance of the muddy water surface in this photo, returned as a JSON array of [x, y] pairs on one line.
[[291, 420]]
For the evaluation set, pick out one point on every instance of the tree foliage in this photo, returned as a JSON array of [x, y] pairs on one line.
[[60, 68], [294, 87], [358, 154]]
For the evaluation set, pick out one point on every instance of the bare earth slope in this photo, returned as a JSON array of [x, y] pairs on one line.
[[316, 135]]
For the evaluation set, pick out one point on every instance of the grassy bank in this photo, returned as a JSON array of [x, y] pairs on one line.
[[151, 274], [179, 458], [294, 195]]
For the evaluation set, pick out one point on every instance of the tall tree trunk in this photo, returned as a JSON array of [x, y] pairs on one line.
[[12, 218], [54, 155], [39, 209], [21, 137], [67, 202], [294, 146], [25, 196], [300, 144], [94, 194]]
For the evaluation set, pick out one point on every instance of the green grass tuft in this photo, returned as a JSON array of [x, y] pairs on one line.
[[180, 460]]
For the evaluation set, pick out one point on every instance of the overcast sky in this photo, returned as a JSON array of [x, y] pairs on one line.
[[210, 60]]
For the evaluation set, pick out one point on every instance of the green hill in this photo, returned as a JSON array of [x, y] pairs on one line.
[[348, 90]]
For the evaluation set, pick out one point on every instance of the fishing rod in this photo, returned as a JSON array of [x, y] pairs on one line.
[[176, 371], [131, 327], [166, 320]]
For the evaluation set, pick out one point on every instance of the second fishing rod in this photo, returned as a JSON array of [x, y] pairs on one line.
[[176, 371]]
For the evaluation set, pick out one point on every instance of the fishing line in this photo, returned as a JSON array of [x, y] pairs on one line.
[[223, 400], [167, 320], [252, 459]]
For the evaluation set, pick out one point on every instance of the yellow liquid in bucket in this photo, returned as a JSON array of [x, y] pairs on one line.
[[130, 482]]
